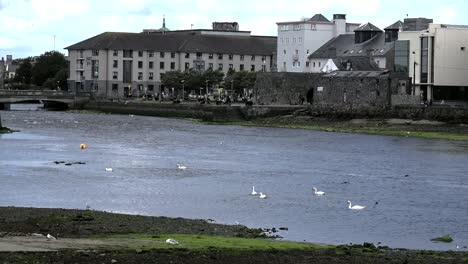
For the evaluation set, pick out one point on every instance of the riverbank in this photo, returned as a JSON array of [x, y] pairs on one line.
[[390, 127], [5, 130], [86, 236]]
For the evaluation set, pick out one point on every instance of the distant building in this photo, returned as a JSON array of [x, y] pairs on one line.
[[114, 65], [368, 49], [437, 60], [416, 24], [298, 39]]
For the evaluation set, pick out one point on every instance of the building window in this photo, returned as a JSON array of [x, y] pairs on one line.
[[151, 64], [140, 53], [140, 64], [231, 57], [173, 55], [252, 68], [313, 64], [115, 63], [115, 87], [161, 54], [424, 59], [253, 58], [300, 39], [114, 75], [320, 64], [95, 52], [402, 56], [199, 55], [187, 55], [241, 67], [210, 56], [264, 59], [116, 53], [150, 87], [151, 76], [263, 68], [151, 53], [307, 64], [294, 40], [81, 54], [231, 66], [210, 66], [284, 52], [128, 53], [161, 65], [172, 65], [220, 56], [140, 76], [242, 57], [220, 66], [187, 65]]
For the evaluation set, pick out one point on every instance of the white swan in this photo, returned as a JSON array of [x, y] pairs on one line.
[[109, 169], [317, 192], [355, 207], [172, 241], [50, 237], [262, 195], [180, 167], [253, 191]]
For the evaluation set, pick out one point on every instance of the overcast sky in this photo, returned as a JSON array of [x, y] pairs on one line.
[[28, 27]]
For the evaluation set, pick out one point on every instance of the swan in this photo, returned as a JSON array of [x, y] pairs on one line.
[[262, 195], [253, 191], [317, 192], [180, 167], [50, 237], [355, 207], [109, 169], [172, 241]]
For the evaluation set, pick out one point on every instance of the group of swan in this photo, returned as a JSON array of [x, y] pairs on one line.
[[352, 207], [254, 193]]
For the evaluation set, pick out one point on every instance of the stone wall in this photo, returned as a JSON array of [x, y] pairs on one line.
[[405, 99], [318, 89]]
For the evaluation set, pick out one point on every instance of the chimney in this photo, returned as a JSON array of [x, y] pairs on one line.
[[339, 21]]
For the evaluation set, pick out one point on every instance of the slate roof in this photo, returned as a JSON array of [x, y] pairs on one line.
[[318, 18], [367, 27], [397, 25], [258, 45], [357, 64], [344, 46], [360, 74]]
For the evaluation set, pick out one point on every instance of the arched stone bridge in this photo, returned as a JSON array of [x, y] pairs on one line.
[[66, 98]]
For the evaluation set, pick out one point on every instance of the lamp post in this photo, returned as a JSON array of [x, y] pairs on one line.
[[183, 89], [232, 88], [206, 87]]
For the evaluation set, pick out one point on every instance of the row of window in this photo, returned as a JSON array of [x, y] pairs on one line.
[[293, 40], [129, 54]]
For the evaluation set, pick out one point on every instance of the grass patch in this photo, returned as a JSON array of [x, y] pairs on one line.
[[444, 239], [205, 242]]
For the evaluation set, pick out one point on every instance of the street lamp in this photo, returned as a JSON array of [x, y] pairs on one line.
[[183, 89], [232, 88]]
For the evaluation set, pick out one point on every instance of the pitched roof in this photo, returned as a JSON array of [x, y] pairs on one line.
[[360, 74], [259, 45], [396, 25], [345, 46], [367, 27], [357, 64], [318, 18]]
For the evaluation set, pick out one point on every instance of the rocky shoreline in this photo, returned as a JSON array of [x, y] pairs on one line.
[[87, 236]]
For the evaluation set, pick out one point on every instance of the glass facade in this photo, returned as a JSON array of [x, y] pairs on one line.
[[402, 56], [424, 59]]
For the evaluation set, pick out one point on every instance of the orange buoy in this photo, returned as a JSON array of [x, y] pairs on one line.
[[82, 146]]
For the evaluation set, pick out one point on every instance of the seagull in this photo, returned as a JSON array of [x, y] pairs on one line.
[[355, 207], [180, 167], [172, 241], [253, 191], [109, 169], [317, 192], [262, 195], [50, 237]]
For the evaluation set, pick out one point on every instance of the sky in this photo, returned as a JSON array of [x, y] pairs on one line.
[[32, 27]]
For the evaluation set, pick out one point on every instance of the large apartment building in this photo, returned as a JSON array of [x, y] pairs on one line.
[[437, 61], [298, 39], [114, 65]]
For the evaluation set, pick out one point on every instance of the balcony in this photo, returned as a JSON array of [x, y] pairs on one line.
[[80, 67]]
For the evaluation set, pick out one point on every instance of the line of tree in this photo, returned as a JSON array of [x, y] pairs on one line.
[[193, 79], [48, 71]]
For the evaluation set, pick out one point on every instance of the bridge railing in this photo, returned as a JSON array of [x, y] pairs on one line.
[[42, 93]]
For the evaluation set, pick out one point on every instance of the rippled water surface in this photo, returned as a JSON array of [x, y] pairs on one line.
[[414, 189]]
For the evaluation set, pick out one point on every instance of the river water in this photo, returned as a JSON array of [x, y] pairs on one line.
[[414, 189]]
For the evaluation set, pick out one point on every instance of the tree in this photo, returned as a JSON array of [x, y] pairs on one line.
[[24, 72], [47, 66], [240, 80]]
